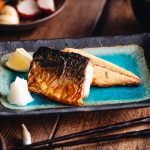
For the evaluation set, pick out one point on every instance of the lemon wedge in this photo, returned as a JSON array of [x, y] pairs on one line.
[[19, 60]]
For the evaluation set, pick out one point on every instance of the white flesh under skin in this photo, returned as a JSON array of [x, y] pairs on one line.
[[88, 79]]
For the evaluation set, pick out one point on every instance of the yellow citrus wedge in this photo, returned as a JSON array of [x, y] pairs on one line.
[[19, 60]]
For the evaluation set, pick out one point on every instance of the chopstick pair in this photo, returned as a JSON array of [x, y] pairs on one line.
[[94, 136]]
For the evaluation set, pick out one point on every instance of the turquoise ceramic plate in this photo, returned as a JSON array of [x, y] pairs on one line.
[[129, 57]]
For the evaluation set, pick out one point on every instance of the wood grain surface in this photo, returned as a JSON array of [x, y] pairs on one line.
[[118, 19], [40, 128], [78, 20], [81, 121]]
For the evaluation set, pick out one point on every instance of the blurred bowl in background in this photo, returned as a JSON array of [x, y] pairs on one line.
[[141, 9], [31, 24]]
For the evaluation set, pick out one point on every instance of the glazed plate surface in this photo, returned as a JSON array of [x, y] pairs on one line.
[[130, 57]]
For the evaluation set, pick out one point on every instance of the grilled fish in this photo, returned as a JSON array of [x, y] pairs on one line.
[[60, 76], [107, 74]]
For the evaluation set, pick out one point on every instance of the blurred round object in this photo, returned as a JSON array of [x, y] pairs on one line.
[[8, 10], [141, 9], [9, 15], [5, 19], [26, 24]]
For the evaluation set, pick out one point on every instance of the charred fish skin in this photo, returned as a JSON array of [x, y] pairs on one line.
[[59, 76], [69, 65]]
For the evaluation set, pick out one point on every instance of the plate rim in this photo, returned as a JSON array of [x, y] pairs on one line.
[[141, 104]]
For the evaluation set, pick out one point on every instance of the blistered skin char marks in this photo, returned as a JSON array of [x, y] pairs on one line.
[[58, 75]]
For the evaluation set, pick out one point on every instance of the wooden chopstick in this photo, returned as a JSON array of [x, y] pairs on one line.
[[99, 130], [109, 138], [141, 133]]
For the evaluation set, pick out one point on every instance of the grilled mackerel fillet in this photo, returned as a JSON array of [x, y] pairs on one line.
[[60, 76], [107, 74]]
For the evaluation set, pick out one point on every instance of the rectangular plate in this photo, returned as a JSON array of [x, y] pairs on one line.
[[119, 103]]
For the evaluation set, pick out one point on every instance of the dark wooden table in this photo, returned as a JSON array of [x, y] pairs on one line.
[[79, 19]]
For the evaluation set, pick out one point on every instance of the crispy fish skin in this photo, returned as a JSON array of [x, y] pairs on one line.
[[58, 75], [107, 74]]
